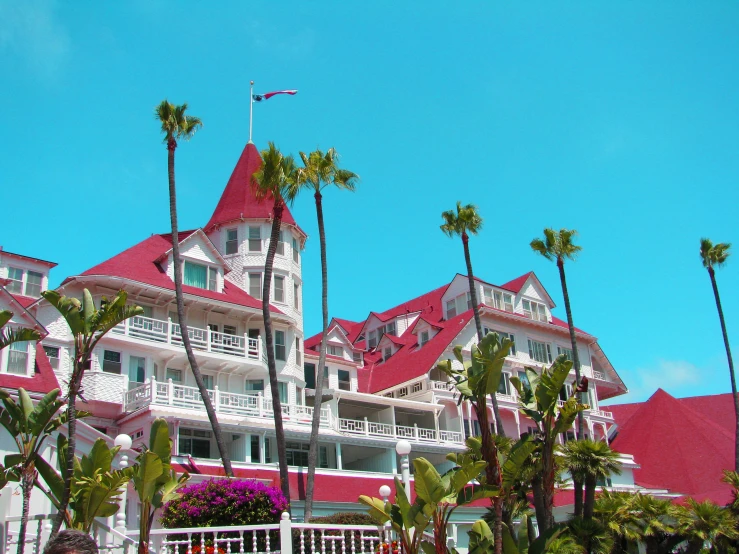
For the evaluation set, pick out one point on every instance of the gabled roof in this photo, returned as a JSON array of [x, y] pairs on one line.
[[22, 257], [239, 200], [519, 282], [138, 264], [191, 235], [682, 445]]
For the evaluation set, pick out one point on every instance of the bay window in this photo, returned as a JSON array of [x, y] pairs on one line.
[[279, 295], [534, 310]]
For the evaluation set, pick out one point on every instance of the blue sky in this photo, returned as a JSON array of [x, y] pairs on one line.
[[617, 119]]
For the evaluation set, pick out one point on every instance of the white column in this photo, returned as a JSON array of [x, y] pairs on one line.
[[339, 464]]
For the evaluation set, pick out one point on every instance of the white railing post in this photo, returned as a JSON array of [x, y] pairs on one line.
[[216, 397], [261, 405], [246, 345], [208, 338], [170, 392], [125, 326], [286, 534], [152, 389], [415, 431], [259, 347], [366, 427], [169, 330]]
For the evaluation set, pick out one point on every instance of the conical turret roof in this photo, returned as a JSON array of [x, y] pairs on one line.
[[239, 200]]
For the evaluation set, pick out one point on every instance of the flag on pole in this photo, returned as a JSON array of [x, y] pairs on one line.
[[268, 95]]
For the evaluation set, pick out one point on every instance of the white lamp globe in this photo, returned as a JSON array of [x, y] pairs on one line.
[[384, 491], [403, 448], [124, 441]]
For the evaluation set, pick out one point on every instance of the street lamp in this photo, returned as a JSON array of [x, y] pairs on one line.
[[403, 448], [125, 442], [385, 494]]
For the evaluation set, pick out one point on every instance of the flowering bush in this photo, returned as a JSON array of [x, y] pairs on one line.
[[208, 550], [219, 502], [388, 548]]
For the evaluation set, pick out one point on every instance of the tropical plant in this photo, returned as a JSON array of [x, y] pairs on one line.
[[29, 426], [732, 478], [177, 125], [96, 487], [559, 245], [538, 400], [715, 255], [9, 336], [321, 170], [154, 480], [87, 324], [590, 461], [703, 523], [476, 381], [466, 220], [553, 541], [277, 180], [591, 535], [656, 521], [613, 511]]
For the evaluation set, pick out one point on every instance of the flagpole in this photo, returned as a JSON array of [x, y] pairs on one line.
[[251, 107]]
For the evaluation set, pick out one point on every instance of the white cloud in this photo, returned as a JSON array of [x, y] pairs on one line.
[[677, 377], [31, 31]]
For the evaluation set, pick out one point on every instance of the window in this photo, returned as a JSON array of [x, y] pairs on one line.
[[296, 453], [335, 350], [232, 241], [279, 288], [33, 284], [18, 358], [372, 340], [296, 251], [255, 239], [208, 381], [323, 456], [112, 361], [403, 391], [281, 244], [136, 369], [280, 345], [424, 337], [387, 353], [540, 352], [200, 276], [282, 390], [565, 392], [503, 387], [299, 396], [451, 309], [487, 296], [534, 310], [174, 317], [255, 285], [136, 435], [16, 280], [503, 301], [195, 442], [174, 374], [390, 329], [255, 456], [357, 357], [296, 296], [254, 386], [298, 354], [503, 335], [53, 353], [345, 380], [229, 330], [567, 352], [267, 451], [309, 373]]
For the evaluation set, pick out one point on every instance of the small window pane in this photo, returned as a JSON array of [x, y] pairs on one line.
[[254, 385], [33, 284], [296, 252], [279, 288], [232, 241], [280, 345], [53, 353], [451, 309], [18, 358], [255, 239], [282, 389], [196, 275], [16, 280], [212, 278], [296, 296], [281, 244], [255, 285], [174, 374], [112, 362]]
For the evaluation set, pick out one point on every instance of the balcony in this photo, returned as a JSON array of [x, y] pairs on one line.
[[449, 388], [155, 393], [364, 428], [205, 340]]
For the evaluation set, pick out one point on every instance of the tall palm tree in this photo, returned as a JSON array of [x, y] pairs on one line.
[[591, 460], [176, 125], [321, 170], [276, 179], [558, 245], [464, 222], [705, 521], [716, 255]]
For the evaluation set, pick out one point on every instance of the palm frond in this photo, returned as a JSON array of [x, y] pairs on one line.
[[465, 220], [714, 254], [10, 336]]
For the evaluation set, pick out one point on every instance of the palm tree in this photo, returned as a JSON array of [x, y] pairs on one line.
[[176, 125], [87, 325], [705, 522], [591, 534], [576, 463], [716, 255], [321, 170], [9, 336], [559, 246], [276, 179], [592, 460], [467, 221], [613, 510], [29, 426]]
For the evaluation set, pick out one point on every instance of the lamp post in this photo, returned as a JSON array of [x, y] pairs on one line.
[[403, 448], [385, 494], [125, 442]]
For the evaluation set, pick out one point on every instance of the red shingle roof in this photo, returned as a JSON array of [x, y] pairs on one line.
[[138, 264], [239, 200], [42, 381], [517, 284], [682, 445]]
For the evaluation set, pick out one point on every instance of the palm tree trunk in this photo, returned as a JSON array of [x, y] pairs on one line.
[[577, 485], [492, 470], [315, 424], [26, 488], [271, 362], [478, 325], [590, 484], [548, 478], [538, 494], [212, 417], [573, 342], [731, 365], [81, 361]]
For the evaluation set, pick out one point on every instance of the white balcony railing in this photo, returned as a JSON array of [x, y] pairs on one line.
[[387, 431], [168, 332]]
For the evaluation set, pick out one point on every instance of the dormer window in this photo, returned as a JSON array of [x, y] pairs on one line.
[[33, 280], [16, 280], [255, 239], [372, 339], [451, 309], [335, 350], [357, 357], [232, 241], [424, 338], [200, 276], [458, 305], [534, 310], [388, 352], [390, 329], [499, 300]]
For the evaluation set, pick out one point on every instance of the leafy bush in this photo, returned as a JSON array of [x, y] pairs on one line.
[[219, 502]]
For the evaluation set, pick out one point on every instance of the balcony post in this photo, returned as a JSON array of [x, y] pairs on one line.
[[208, 338], [216, 392], [259, 347], [153, 390], [170, 391], [125, 326], [415, 431], [169, 330], [436, 426], [260, 406], [366, 427], [246, 345]]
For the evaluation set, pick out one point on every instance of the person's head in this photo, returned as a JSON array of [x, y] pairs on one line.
[[71, 541]]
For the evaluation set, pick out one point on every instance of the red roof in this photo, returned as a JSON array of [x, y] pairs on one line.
[[682, 445], [517, 284], [24, 301], [42, 381], [239, 200], [39, 260], [138, 263]]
